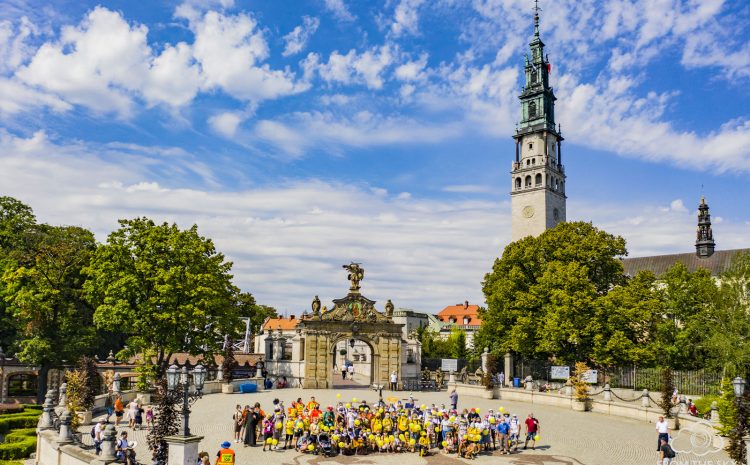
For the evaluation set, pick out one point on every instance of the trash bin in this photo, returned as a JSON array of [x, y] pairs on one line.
[[248, 388], [517, 382]]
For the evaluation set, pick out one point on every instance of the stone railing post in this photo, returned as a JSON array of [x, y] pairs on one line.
[[645, 401], [714, 412], [220, 373], [607, 393], [182, 449], [45, 422], [683, 404], [63, 402], [65, 435], [568, 391], [108, 444]]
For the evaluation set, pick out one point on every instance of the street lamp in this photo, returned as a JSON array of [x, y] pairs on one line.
[[116, 383], [739, 386], [180, 377]]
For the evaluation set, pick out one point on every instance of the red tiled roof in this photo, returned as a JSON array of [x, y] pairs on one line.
[[283, 323], [459, 312]]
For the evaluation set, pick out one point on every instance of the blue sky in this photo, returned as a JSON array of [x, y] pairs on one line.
[[301, 135]]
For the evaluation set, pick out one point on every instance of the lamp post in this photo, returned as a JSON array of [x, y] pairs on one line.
[[177, 376], [739, 391], [116, 383]]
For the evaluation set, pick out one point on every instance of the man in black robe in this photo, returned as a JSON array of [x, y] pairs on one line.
[[253, 418]]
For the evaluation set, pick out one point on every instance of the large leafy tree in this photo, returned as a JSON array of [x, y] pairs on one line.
[[45, 297], [168, 290], [542, 294]]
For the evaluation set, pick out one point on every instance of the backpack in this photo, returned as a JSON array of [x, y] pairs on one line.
[[668, 451], [93, 432]]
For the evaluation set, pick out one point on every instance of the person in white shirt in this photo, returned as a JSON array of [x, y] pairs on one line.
[[394, 381], [662, 430]]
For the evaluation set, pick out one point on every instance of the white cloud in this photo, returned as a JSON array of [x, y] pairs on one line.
[[296, 41], [406, 18], [14, 48], [340, 10], [226, 123], [366, 67], [230, 50], [412, 70], [299, 132]]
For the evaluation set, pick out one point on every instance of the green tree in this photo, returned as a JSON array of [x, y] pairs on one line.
[[542, 294], [46, 299], [16, 220], [626, 317], [432, 345], [457, 344], [688, 301], [166, 289], [727, 326], [249, 308]]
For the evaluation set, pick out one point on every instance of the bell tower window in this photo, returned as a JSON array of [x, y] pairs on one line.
[[532, 109], [533, 76]]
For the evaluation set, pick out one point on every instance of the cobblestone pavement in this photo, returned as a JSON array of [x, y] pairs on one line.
[[567, 437]]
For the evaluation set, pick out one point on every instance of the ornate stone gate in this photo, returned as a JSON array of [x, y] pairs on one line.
[[352, 317]]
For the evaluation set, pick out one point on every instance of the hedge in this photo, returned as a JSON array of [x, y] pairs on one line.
[[7, 423], [18, 435], [19, 449], [11, 462]]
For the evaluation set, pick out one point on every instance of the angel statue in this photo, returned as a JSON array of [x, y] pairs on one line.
[[356, 274], [315, 305]]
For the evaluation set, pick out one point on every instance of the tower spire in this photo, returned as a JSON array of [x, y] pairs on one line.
[[536, 18], [704, 243]]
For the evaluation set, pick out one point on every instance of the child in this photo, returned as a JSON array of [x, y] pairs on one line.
[[149, 417], [267, 432], [139, 418]]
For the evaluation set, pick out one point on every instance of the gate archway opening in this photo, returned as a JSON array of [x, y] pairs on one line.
[[354, 364]]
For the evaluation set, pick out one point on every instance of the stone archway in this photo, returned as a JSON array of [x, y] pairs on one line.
[[352, 317]]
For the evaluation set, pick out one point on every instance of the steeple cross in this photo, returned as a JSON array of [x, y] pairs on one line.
[[536, 7]]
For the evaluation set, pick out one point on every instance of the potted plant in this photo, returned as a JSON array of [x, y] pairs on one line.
[[342, 352], [581, 399], [76, 394]]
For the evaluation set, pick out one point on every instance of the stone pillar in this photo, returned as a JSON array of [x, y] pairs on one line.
[[220, 373], [607, 393], [108, 444], [714, 412], [183, 450], [63, 402], [529, 383], [568, 388], [66, 435], [508, 365], [645, 401], [485, 360], [452, 377], [45, 422]]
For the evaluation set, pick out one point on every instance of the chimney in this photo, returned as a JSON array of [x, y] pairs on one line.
[[466, 304], [291, 317]]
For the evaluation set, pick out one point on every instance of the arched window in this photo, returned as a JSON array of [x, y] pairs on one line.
[[518, 183], [22, 385], [532, 109], [539, 179], [528, 181], [533, 76], [533, 161]]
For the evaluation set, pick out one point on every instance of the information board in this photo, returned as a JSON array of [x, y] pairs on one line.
[[449, 364], [559, 372]]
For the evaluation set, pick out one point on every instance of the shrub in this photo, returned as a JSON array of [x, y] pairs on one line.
[[667, 388], [580, 386], [18, 449], [7, 423], [11, 462], [704, 404], [7, 409], [18, 435]]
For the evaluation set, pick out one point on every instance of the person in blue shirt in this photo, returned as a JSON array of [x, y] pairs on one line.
[[503, 431]]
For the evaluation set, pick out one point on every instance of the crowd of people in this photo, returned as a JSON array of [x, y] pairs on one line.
[[357, 428]]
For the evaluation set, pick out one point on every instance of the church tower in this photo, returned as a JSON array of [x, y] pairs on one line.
[[538, 175], [704, 242]]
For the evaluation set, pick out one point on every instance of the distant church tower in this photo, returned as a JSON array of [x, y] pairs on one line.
[[704, 243], [538, 176]]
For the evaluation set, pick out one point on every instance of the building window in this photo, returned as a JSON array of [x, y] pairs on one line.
[[518, 183], [466, 320], [528, 181], [287, 353], [533, 76], [22, 385], [410, 356], [532, 109], [531, 145], [539, 179]]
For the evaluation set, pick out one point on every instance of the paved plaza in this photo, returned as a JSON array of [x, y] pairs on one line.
[[567, 437]]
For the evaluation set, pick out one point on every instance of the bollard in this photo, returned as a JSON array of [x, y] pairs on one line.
[[63, 402], [108, 443], [65, 433], [645, 402], [45, 422], [607, 393], [714, 412]]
